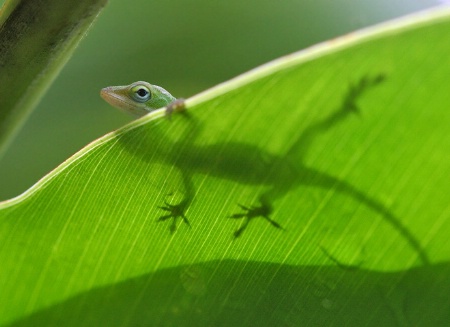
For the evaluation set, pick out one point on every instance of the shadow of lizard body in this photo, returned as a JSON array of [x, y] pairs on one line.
[[249, 164]]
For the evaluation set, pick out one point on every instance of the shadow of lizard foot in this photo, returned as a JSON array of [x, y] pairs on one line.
[[366, 82], [261, 211], [175, 211], [341, 265]]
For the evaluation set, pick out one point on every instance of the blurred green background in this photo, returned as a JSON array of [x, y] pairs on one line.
[[185, 46]]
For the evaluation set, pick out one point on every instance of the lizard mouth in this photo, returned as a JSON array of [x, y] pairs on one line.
[[113, 99], [117, 101]]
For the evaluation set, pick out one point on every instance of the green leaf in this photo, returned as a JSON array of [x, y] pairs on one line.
[[36, 40], [336, 157]]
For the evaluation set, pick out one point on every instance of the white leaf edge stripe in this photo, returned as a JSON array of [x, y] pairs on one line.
[[408, 22]]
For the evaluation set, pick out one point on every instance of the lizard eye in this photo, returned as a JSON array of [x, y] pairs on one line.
[[140, 93]]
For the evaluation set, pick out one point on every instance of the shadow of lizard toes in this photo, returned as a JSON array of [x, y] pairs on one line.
[[175, 211], [261, 211]]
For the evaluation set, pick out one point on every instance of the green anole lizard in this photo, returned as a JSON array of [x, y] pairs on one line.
[[140, 98]]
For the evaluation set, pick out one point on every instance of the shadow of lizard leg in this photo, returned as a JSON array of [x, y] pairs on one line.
[[177, 157], [178, 210], [340, 264], [312, 177], [348, 107]]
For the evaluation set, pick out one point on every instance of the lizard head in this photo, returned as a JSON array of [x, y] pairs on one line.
[[138, 98]]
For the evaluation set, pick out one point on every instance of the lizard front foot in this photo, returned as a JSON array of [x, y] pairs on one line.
[[176, 106]]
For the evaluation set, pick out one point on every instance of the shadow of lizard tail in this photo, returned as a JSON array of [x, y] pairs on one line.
[[315, 178]]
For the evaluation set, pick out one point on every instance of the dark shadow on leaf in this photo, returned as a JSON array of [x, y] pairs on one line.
[[240, 293]]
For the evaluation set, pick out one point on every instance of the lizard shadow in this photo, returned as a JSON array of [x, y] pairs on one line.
[[249, 164]]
